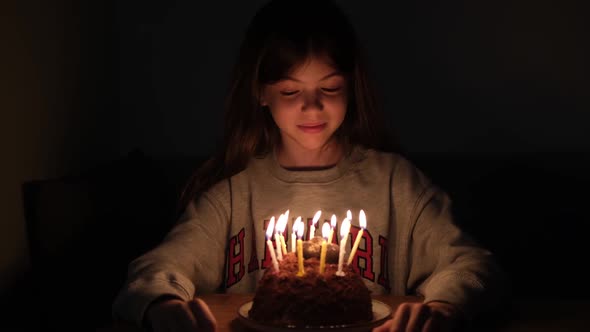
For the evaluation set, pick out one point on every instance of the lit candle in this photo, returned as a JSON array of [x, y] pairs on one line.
[[332, 226], [281, 225], [278, 239], [300, 227], [325, 234], [269, 230], [294, 233], [344, 229], [359, 235], [316, 217]]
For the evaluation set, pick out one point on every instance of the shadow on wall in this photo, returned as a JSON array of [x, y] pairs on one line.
[[85, 229]]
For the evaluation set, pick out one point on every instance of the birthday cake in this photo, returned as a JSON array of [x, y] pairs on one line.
[[314, 299]]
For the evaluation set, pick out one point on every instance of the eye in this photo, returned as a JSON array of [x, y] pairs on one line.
[[332, 90], [289, 93]]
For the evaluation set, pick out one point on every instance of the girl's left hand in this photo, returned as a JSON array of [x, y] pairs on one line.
[[420, 317]]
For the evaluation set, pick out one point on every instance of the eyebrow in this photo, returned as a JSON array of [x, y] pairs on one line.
[[336, 73]]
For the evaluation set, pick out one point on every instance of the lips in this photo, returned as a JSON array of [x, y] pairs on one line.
[[312, 127]]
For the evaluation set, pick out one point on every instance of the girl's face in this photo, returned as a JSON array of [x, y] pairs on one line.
[[308, 105]]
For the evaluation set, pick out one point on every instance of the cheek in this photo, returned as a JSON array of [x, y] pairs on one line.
[[282, 112], [282, 104], [337, 104]]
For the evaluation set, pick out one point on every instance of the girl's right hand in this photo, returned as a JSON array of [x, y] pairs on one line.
[[174, 314]]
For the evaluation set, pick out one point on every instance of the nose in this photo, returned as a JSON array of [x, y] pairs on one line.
[[312, 101]]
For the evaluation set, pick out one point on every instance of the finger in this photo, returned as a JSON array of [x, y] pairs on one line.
[[400, 319], [418, 316], [383, 327], [205, 319]]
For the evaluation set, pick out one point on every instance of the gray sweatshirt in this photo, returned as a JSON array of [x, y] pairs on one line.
[[410, 245]]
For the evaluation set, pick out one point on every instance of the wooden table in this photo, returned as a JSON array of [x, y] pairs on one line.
[[525, 315]]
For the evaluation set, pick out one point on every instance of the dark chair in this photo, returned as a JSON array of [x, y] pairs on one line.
[[84, 229]]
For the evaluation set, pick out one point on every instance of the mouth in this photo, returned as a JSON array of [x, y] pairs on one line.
[[312, 127]]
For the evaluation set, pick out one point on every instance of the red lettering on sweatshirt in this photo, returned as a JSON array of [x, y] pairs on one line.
[[383, 278], [363, 254], [235, 259], [253, 264]]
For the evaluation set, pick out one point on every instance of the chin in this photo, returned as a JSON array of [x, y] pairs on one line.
[[314, 146]]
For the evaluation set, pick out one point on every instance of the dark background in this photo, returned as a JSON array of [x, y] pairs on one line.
[[112, 103]]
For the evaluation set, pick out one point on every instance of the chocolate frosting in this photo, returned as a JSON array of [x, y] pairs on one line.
[[314, 299], [313, 247]]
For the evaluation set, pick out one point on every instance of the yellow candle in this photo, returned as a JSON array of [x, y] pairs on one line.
[[332, 226], [323, 252], [298, 223], [363, 222], [278, 245], [300, 228], [301, 272], [273, 256], [281, 228], [344, 229]]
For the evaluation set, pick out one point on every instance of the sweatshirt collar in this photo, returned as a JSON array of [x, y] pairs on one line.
[[316, 176]]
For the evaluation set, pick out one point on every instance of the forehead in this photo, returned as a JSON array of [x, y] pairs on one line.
[[312, 69]]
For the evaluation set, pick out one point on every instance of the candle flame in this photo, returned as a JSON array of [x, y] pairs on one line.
[[287, 216], [277, 222], [296, 224], [270, 227], [363, 219], [326, 230], [300, 227], [316, 217], [281, 223], [349, 215], [333, 221], [345, 228]]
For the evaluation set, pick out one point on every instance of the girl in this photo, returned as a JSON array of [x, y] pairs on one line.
[[303, 133]]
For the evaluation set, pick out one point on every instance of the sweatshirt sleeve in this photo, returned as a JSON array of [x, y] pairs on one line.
[[446, 264], [190, 258]]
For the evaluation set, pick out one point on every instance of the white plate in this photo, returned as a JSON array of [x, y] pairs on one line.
[[381, 312]]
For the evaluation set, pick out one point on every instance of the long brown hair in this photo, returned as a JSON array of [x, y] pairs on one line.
[[282, 35]]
